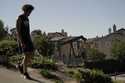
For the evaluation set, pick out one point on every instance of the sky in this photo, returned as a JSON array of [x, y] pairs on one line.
[[89, 18]]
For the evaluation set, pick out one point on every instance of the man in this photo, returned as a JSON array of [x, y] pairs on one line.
[[24, 39]]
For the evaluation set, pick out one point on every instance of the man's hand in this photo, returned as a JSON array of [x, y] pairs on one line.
[[23, 45]]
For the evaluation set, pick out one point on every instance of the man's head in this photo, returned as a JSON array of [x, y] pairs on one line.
[[27, 8]]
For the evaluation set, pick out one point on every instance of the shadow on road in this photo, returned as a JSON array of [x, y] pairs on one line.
[[36, 80]]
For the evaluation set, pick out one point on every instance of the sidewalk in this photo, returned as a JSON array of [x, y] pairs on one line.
[[11, 76]]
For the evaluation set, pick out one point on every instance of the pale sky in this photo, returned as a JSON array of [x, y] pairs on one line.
[[77, 17]]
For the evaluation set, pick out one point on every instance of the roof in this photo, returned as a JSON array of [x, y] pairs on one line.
[[56, 34], [120, 32], [64, 40]]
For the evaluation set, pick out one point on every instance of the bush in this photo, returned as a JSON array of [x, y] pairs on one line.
[[74, 74], [44, 62], [46, 73], [16, 59], [95, 76], [89, 76], [109, 66], [8, 47]]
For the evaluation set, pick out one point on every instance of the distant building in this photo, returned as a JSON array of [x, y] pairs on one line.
[[36, 32], [104, 44], [57, 34]]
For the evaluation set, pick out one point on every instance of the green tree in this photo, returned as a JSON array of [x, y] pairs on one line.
[[94, 54], [2, 31], [42, 44], [1, 25], [118, 49]]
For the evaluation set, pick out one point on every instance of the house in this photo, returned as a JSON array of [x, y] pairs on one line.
[[69, 50]]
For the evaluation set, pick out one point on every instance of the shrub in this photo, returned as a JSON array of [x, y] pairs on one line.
[[89, 76], [95, 76], [74, 74], [78, 75], [107, 66], [44, 62], [46, 73], [16, 59], [8, 47]]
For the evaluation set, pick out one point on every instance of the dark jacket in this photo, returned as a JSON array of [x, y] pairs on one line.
[[23, 29]]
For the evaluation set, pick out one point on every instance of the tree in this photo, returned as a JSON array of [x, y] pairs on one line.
[[114, 28], [94, 54], [110, 30], [13, 33], [1, 26], [118, 49], [41, 43], [1, 29]]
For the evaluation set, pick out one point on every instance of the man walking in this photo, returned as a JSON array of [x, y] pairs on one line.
[[24, 39]]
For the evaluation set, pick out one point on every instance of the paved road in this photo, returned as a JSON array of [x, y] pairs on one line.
[[11, 76], [119, 77]]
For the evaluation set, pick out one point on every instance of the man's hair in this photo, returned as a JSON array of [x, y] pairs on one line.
[[27, 7]]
